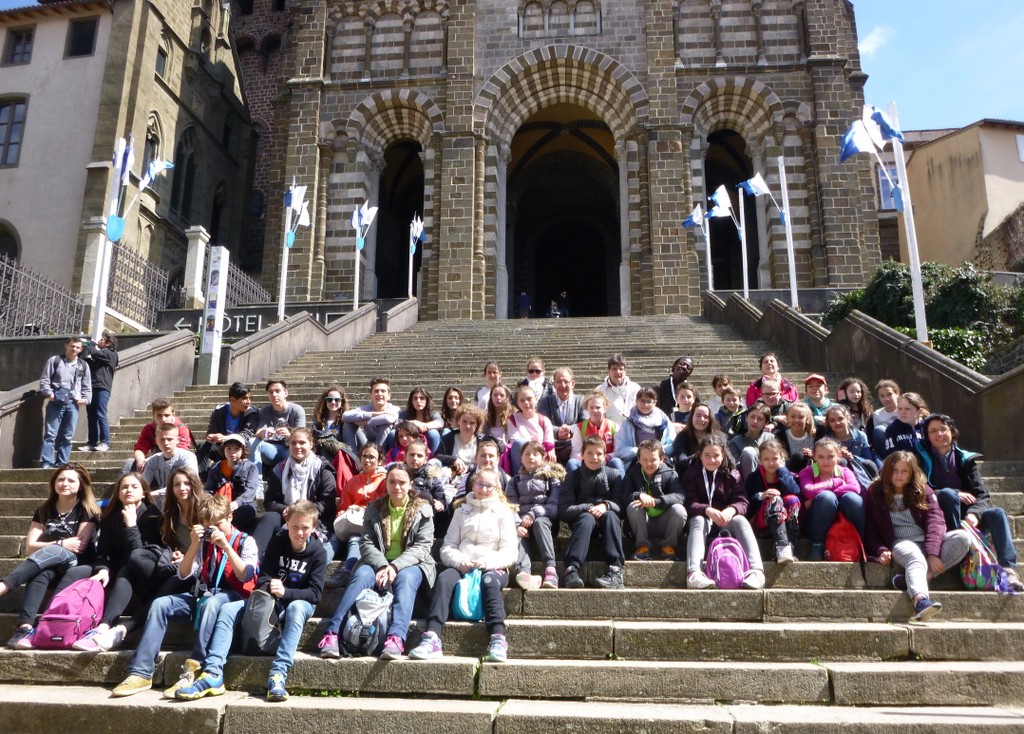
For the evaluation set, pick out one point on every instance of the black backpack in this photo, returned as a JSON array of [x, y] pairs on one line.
[[365, 626], [261, 624]]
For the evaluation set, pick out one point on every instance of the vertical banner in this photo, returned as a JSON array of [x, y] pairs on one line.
[[213, 316]]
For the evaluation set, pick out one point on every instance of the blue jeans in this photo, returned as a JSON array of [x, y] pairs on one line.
[[268, 452], [823, 513], [404, 588], [992, 521], [59, 423], [296, 614], [163, 610], [99, 426]]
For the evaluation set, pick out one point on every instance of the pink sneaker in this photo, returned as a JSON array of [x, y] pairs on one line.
[[393, 648], [550, 578]]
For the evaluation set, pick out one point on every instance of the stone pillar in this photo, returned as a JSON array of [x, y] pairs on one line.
[[406, 44], [479, 266], [716, 18], [195, 266], [95, 230], [367, 45], [501, 276], [368, 279], [455, 289], [319, 207], [756, 7]]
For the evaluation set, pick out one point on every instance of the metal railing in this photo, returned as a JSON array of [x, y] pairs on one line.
[[138, 288], [31, 304], [243, 289]]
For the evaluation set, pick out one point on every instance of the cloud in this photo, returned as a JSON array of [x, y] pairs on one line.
[[875, 40]]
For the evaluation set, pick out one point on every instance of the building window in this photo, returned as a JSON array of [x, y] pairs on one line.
[[278, 5], [161, 61], [887, 202], [183, 188], [19, 46], [82, 37], [12, 127]]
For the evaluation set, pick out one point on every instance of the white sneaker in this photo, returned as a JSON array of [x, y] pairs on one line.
[[103, 447], [698, 580], [529, 582], [784, 554], [753, 579]]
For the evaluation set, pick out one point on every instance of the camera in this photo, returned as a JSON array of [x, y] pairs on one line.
[[207, 533]]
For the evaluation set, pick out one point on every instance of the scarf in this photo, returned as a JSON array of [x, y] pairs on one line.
[[647, 426], [295, 477]]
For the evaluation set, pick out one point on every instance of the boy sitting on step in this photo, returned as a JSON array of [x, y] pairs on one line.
[[170, 457], [293, 572], [223, 561], [146, 444]]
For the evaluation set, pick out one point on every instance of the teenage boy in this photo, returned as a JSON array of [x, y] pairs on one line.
[[275, 423], [682, 368], [293, 572], [589, 504], [102, 360], [619, 389], [163, 412], [67, 385], [170, 457], [564, 408], [372, 422], [221, 558], [236, 417], [655, 502]]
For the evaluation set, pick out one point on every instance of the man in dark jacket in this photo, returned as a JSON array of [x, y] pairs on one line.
[[101, 357]]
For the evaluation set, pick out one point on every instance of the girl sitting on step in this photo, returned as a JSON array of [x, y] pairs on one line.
[[499, 410], [59, 537], [827, 487], [419, 410], [905, 528], [492, 373], [775, 500], [453, 398]]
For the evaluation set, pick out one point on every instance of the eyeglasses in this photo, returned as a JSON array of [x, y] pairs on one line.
[[534, 371], [369, 457], [332, 400], [481, 485], [771, 394]]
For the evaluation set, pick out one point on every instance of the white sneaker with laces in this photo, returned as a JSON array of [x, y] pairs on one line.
[[753, 579], [698, 580]]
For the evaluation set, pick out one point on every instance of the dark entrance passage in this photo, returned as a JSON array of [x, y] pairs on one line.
[[563, 218], [727, 163], [401, 196]]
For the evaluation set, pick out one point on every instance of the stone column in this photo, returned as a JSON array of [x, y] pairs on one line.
[[318, 275], [756, 7], [716, 18], [195, 265], [455, 268], [406, 44], [368, 281], [479, 266], [501, 277], [95, 230]]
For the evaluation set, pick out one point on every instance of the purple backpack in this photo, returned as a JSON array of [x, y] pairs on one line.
[[726, 562], [71, 614]]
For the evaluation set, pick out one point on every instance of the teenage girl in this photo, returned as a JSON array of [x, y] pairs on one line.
[[716, 500], [827, 487], [775, 500], [329, 407], [905, 528], [453, 398], [359, 491], [853, 393], [419, 410], [492, 373], [702, 424], [888, 393], [528, 425], [499, 409], [904, 432]]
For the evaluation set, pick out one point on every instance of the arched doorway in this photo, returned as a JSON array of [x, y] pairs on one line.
[[728, 163], [401, 197], [563, 212]]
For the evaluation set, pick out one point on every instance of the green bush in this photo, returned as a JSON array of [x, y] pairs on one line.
[[969, 347], [965, 298], [840, 306]]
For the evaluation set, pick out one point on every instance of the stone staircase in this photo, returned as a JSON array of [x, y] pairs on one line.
[[822, 648]]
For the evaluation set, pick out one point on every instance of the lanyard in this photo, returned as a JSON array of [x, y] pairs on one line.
[[709, 486]]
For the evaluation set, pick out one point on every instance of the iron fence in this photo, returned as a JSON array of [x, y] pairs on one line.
[[242, 287], [138, 288], [31, 304]]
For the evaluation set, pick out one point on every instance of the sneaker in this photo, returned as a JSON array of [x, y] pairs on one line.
[[899, 582], [204, 685], [188, 675], [102, 447], [339, 579], [86, 447], [527, 581], [784, 554], [102, 638], [698, 580], [428, 649], [571, 579], [668, 552], [550, 578], [131, 685], [642, 553], [275, 688], [1013, 580], [925, 609], [329, 646], [22, 638], [393, 648], [817, 552], [753, 579], [611, 580], [497, 651]]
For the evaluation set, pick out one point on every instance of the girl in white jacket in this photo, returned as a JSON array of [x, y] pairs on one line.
[[482, 535]]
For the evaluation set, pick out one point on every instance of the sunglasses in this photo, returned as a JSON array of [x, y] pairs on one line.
[[332, 400], [534, 371]]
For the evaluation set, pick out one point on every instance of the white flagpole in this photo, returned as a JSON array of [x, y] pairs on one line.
[[355, 293], [706, 229], [917, 286], [793, 299], [102, 280], [743, 245], [412, 255], [284, 260]]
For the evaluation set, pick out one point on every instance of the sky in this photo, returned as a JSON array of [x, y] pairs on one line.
[[943, 62]]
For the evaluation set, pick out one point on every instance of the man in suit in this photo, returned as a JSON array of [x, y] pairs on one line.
[[564, 409]]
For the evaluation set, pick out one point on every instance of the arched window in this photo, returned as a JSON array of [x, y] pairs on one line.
[[151, 151], [12, 128], [185, 174]]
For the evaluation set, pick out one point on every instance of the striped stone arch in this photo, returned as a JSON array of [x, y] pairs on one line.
[[391, 115], [743, 104], [560, 74], [379, 8]]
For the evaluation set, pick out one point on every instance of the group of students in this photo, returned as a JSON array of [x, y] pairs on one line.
[[413, 500]]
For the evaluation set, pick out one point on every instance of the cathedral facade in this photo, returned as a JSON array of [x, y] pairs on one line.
[[555, 146]]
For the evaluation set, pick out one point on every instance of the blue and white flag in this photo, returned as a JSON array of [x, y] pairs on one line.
[[696, 218], [856, 140], [295, 200], [362, 218], [756, 186], [889, 131], [416, 233], [154, 170], [722, 202]]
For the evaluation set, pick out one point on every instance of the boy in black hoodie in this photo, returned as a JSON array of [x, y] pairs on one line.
[[654, 499], [588, 503], [293, 572], [426, 482]]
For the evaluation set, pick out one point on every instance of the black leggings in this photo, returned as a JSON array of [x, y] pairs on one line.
[[490, 590], [36, 583]]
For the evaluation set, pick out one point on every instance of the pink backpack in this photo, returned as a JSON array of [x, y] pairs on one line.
[[726, 562], [72, 612]]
